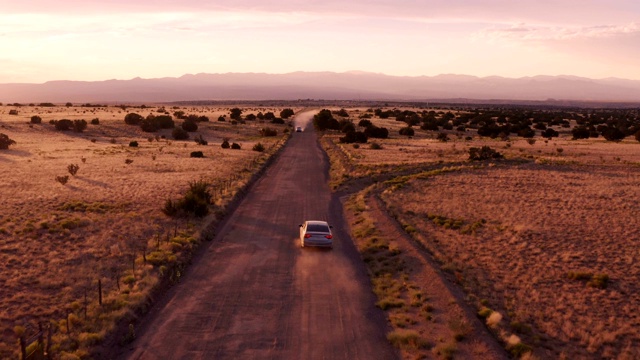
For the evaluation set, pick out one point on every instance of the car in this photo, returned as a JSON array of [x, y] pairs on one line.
[[298, 129], [316, 233]]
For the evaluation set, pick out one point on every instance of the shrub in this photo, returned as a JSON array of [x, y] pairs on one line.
[[277, 121], [442, 137], [133, 119], [376, 132], [484, 312], [258, 147], [200, 140], [365, 123], [613, 134], [148, 125], [221, 118], [13, 112], [225, 144], [549, 133], [375, 146], [236, 114], [195, 202], [354, 137], [286, 113], [73, 169], [5, 142], [95, 121], [637, 135], [580, 132], [62, 179], [526, 132], [35, 119], [518, 350], [163, 121], [484, 153], [189, 126], [63, 125], [600, 281], [407, 339], [324, 121], [407, 131], [268, 132], [197, 154], [236, 146], [133, 144], [347, 126], [79, 125], [180, 134]]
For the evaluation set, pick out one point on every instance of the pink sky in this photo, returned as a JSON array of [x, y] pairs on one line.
[[90, 40]]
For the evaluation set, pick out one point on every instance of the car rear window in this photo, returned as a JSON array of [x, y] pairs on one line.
[[317, 228]]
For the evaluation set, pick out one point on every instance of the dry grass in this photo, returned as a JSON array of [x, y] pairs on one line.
[[547, 238], [57, 240], [540, 223]]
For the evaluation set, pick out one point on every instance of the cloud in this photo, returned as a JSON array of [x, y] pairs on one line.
[[523, 32]]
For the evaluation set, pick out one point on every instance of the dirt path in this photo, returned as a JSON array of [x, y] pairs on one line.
[[255, 294], [447, 299]]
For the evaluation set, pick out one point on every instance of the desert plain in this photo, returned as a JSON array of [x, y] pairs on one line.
[[106, 222], [536, 250]]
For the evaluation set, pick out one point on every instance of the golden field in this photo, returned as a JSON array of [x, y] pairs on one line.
[[106, 223]]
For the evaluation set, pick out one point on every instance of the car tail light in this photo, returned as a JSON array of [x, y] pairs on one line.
[[306, 236], [329, 236]]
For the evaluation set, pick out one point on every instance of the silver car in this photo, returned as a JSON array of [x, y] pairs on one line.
[[316, 233]]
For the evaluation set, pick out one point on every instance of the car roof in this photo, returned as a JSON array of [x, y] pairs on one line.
[[316, 222]]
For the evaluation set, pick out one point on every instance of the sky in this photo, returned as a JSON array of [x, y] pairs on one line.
[[92, 40]]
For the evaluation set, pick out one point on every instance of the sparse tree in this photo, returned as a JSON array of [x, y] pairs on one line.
[[236, 114]]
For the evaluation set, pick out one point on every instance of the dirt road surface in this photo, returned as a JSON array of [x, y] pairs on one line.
[[255, 294]]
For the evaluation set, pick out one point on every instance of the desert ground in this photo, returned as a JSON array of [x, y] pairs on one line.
[[57, 241], [532, 255], [543, 243]]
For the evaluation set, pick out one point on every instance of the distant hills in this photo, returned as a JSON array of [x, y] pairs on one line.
[[327, 86]]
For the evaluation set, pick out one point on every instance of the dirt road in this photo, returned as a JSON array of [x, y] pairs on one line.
[[256, 294]]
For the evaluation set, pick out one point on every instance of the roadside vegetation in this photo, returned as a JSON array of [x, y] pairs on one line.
[[506, 201], [123, 205]]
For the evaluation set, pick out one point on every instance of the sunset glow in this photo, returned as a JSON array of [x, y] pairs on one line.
[[77, 40]]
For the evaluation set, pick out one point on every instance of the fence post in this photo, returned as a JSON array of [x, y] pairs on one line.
[[23, 348], [100, 292], [48, 347], [40, 349]]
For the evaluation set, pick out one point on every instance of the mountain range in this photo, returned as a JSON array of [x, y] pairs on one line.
[[353, 85]]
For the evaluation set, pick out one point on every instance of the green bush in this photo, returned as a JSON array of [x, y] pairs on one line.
[[197, 154], [133, 144], [225, 144], [35, 119], [236, 146]]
